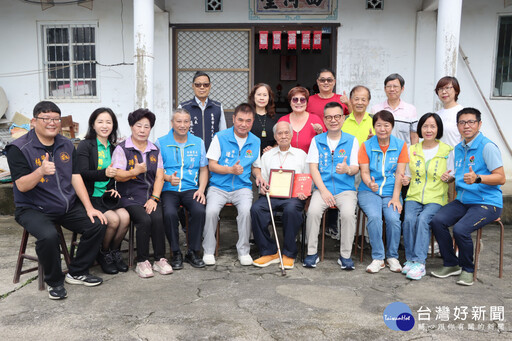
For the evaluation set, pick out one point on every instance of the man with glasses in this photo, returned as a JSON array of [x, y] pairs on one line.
[[478, 176], [47, 182], [406, 118], [332, 159], [207, 115], [326, 81]]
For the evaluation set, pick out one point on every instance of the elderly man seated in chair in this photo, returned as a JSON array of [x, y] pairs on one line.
[[284, 157]]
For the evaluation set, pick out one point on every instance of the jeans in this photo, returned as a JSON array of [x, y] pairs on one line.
[[465, 219], [374, 206], [416, 229]]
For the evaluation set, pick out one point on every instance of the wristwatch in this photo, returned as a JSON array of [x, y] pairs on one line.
[[478, 179]]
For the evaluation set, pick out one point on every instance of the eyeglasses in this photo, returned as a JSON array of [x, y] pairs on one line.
[[468, 122], [202, 85], [330, 118], [302, 100], [48, 119], [446, 88], [326, 80], [392, 87]]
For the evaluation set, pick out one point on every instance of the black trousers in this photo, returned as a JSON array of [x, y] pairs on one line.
[[171, 201], [148, 226], [42, 227]]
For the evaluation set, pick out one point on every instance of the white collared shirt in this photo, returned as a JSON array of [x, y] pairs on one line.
[[292, 159]]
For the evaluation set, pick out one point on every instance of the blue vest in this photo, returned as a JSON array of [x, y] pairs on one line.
[[203, 125], [383, 165], [475, 193], [185, 161], [327, 161], [138, 189], [230, 154], [54, 194]]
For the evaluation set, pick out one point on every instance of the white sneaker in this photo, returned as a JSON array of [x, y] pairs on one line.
[[394, 265], [209, 259], [375, 266], [245, 260]]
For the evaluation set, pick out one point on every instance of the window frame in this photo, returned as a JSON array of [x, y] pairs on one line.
[[43, 60], [495, 59]]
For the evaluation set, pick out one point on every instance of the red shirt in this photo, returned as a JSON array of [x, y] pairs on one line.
[[302, 139], [316, 105]]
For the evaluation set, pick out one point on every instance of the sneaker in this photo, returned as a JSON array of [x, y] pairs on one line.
[[118, 261], [288, 262], [265, 261], [143, 269], [245, 260], [311, 261], [162, 266], [407, 266], [332, 231], [177, 260], [346, 263], [57, 293], [209, 259], [107, 262], [465, 278], [446, 271], [375, 266], [394, 265], [88, 280], [416, 271]]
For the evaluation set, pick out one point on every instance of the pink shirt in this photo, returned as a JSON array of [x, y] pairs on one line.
[[316, 105], [406, 119], [302, 139]]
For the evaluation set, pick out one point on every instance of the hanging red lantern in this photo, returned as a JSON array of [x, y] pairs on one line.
[[263, 40], [276, 40], [292, 40], [317, 40], [306, 40]]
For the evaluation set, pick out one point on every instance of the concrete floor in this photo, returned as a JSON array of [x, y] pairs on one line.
[[229, 301]]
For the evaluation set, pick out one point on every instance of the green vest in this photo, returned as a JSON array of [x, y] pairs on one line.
[[426, 186]]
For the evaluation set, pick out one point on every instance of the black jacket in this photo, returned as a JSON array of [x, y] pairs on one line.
[[88, 165]]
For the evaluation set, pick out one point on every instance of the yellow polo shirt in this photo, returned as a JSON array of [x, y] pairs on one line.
[[360, 131]]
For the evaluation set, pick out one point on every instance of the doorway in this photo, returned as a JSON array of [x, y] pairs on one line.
[[286, 68]]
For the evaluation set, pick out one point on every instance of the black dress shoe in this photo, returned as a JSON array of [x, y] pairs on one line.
[[177, 261], [192, 259], [107, 262], [118, 261]]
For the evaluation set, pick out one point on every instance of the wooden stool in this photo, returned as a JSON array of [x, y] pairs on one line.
[[477, 247], [40, 271]]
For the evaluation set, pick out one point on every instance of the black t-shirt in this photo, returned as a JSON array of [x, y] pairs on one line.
[[19, 166], [264, 122]]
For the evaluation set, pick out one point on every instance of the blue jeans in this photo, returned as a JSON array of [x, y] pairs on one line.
[[416, 227], [374, 206], [465, 219]]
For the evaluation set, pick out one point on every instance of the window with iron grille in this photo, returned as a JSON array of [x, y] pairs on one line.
[[69, 61], [503, 77], [224, 54], [213, 5]]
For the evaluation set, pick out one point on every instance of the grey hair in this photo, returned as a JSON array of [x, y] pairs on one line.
[[180, 111], [274, 128]]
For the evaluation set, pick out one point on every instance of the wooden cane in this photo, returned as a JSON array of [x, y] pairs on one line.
[[283, 271]]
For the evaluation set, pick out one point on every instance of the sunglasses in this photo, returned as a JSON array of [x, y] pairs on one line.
[[202, 85], [302, 100]]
